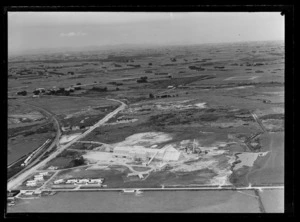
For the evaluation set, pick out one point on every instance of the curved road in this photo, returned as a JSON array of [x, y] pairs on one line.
[[19, 179]]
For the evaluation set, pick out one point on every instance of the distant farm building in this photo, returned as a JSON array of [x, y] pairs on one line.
[[23, 93]]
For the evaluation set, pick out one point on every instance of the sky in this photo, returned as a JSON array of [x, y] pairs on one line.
[[38, 30]]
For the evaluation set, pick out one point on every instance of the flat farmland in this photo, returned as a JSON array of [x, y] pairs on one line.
[[273, 201], [203, 97], [20, 146], [28, 129], [66, 105], [269, 169]]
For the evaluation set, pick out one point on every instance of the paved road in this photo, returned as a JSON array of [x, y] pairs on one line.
[[93, 142], [260, 188], [46, 182], [18, 180], [255, 117]]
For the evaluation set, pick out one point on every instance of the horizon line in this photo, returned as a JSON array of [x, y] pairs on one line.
[[108, 46]]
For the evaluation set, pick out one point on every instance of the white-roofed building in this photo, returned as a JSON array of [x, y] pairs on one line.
[[121, 151], [72, 181], [96, 181], [171, 154], [29, 193], [38, 176], [83, 181], [30, 184], [168, 153], [58, 181], [138, 153]]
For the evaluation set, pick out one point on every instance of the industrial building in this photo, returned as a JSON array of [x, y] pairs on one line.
[[81, 181], [96, 180], [168, 153], [38, 178], [33, 184], [28, 193]]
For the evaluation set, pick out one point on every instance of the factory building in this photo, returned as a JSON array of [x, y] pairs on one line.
[[168, 153], [171, 154]]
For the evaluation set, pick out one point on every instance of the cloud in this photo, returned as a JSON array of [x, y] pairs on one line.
[[72, 34]]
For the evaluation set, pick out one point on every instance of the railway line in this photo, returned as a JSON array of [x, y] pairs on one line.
[[55, 142], [34, 166]]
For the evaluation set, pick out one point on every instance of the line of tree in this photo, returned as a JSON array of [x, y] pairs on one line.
[[99, 89], [143, 79], [196, 68], [23, 93]]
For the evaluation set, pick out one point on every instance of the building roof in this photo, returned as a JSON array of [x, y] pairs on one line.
[[137, 150], [167, 153], [171, 149]]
